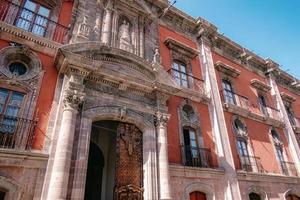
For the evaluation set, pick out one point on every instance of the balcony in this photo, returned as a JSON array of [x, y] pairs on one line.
[[242, 105], [196, 157], [251, 164], [187, 81], [16, 133], [288, 168], [27, 20]]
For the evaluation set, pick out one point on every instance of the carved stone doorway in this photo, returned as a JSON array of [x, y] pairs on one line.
[[115, 164]]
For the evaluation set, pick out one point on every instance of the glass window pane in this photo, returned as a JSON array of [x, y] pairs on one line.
[[183, 68], [30, 5], [44, 11], [3, 97], [175, 66], [184, 83]]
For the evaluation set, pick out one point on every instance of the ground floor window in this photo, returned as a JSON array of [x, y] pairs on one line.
[[2, 195], [254, 196], [197, 196], [292, 197]]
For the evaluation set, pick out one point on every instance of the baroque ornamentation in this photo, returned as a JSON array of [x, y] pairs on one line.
[[161, 119], [84, 28], [125, 38], [73, 99]]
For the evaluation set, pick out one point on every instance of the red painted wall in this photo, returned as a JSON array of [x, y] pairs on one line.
[[175, 101], [258, 132]]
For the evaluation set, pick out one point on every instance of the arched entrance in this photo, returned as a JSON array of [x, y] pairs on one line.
[[292, 197], [2, 194], [115, 164], [197, 196]]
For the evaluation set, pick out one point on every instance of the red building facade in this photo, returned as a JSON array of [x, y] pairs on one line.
[[138, 100]]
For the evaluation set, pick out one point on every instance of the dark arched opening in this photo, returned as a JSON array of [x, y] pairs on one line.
[[254, 196], [197, 196], [94, 173], [2, 194]]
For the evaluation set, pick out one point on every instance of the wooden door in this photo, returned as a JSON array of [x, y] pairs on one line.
[[197, 196]]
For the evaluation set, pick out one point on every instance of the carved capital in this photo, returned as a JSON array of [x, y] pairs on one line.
[[161, 119], [72, 99]]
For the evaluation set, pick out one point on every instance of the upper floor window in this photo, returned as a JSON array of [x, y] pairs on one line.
[[17, 68], [180, 73], [262, 104], [228, 92], [33, 17], [290, 114]]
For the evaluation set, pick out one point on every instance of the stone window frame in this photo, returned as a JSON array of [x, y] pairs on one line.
[[183, 54], [258, 190], [200, 187], [29, 84], [195, 124], [279, 144], [244, 137]]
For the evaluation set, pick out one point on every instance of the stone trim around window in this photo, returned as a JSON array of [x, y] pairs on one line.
[[260, 85], [181, 48], [226, 69], [287, 98]]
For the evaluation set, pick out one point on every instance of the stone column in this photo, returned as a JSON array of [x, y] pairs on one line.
[[107, 23], [163, 161], [73, 97], [288, 129], [224, 152]]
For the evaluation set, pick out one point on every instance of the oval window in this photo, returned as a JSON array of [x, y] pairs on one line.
[[17, 68]]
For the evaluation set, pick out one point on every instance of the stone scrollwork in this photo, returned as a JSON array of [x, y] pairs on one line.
[[73, 99], [161, 119]]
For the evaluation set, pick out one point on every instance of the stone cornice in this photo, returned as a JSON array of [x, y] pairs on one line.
[[37, 43], [286, 97], [260, 85], [267, 177], [226, 69], [181, 48]]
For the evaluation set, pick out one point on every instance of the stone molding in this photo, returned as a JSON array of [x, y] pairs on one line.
[[41, 44], [258, 190], [181, 48], [73, 99], [226, 69], [287, 98], [260, 85], [14, 190]]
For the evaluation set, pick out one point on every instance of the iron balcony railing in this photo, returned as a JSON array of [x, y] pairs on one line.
[[251, 164], [16, 133], [288, 168], [28, 20], [190, 81], [241, 101], [196, 157]]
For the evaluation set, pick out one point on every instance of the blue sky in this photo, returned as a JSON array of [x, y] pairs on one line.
[[270, 28]]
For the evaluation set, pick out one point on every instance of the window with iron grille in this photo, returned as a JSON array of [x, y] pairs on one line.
[[228, 92], [180, 73], [33, 17]]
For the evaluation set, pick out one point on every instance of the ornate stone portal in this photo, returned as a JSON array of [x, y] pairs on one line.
[[129, 170]]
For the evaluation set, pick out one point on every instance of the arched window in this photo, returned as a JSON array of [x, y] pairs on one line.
[[180, 73], [197, 196], [228, 92], [17, 68], [254, 196]]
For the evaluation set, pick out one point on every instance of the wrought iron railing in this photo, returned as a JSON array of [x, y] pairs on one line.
[[192, 82], [196, 157], [288, 168], [251, 164], [24, 18], [234, 98], [16, 133], [230, 97]]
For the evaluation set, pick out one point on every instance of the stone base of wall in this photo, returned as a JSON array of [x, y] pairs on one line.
[[22, 174]]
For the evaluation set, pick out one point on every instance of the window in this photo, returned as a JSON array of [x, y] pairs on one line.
[[34, 18], [290, 114], [292, 197], [279, 151], [2, 195], [180, 73], [254, 196], [228, 92], [239, 127], [262, 104], [190, 143], [244, 155], [10, 104], [17, 68]]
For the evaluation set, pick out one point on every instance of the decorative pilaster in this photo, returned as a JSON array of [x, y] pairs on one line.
[[73, 97], [163, 161], [288, 129], [107, 23], [216, 112]]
